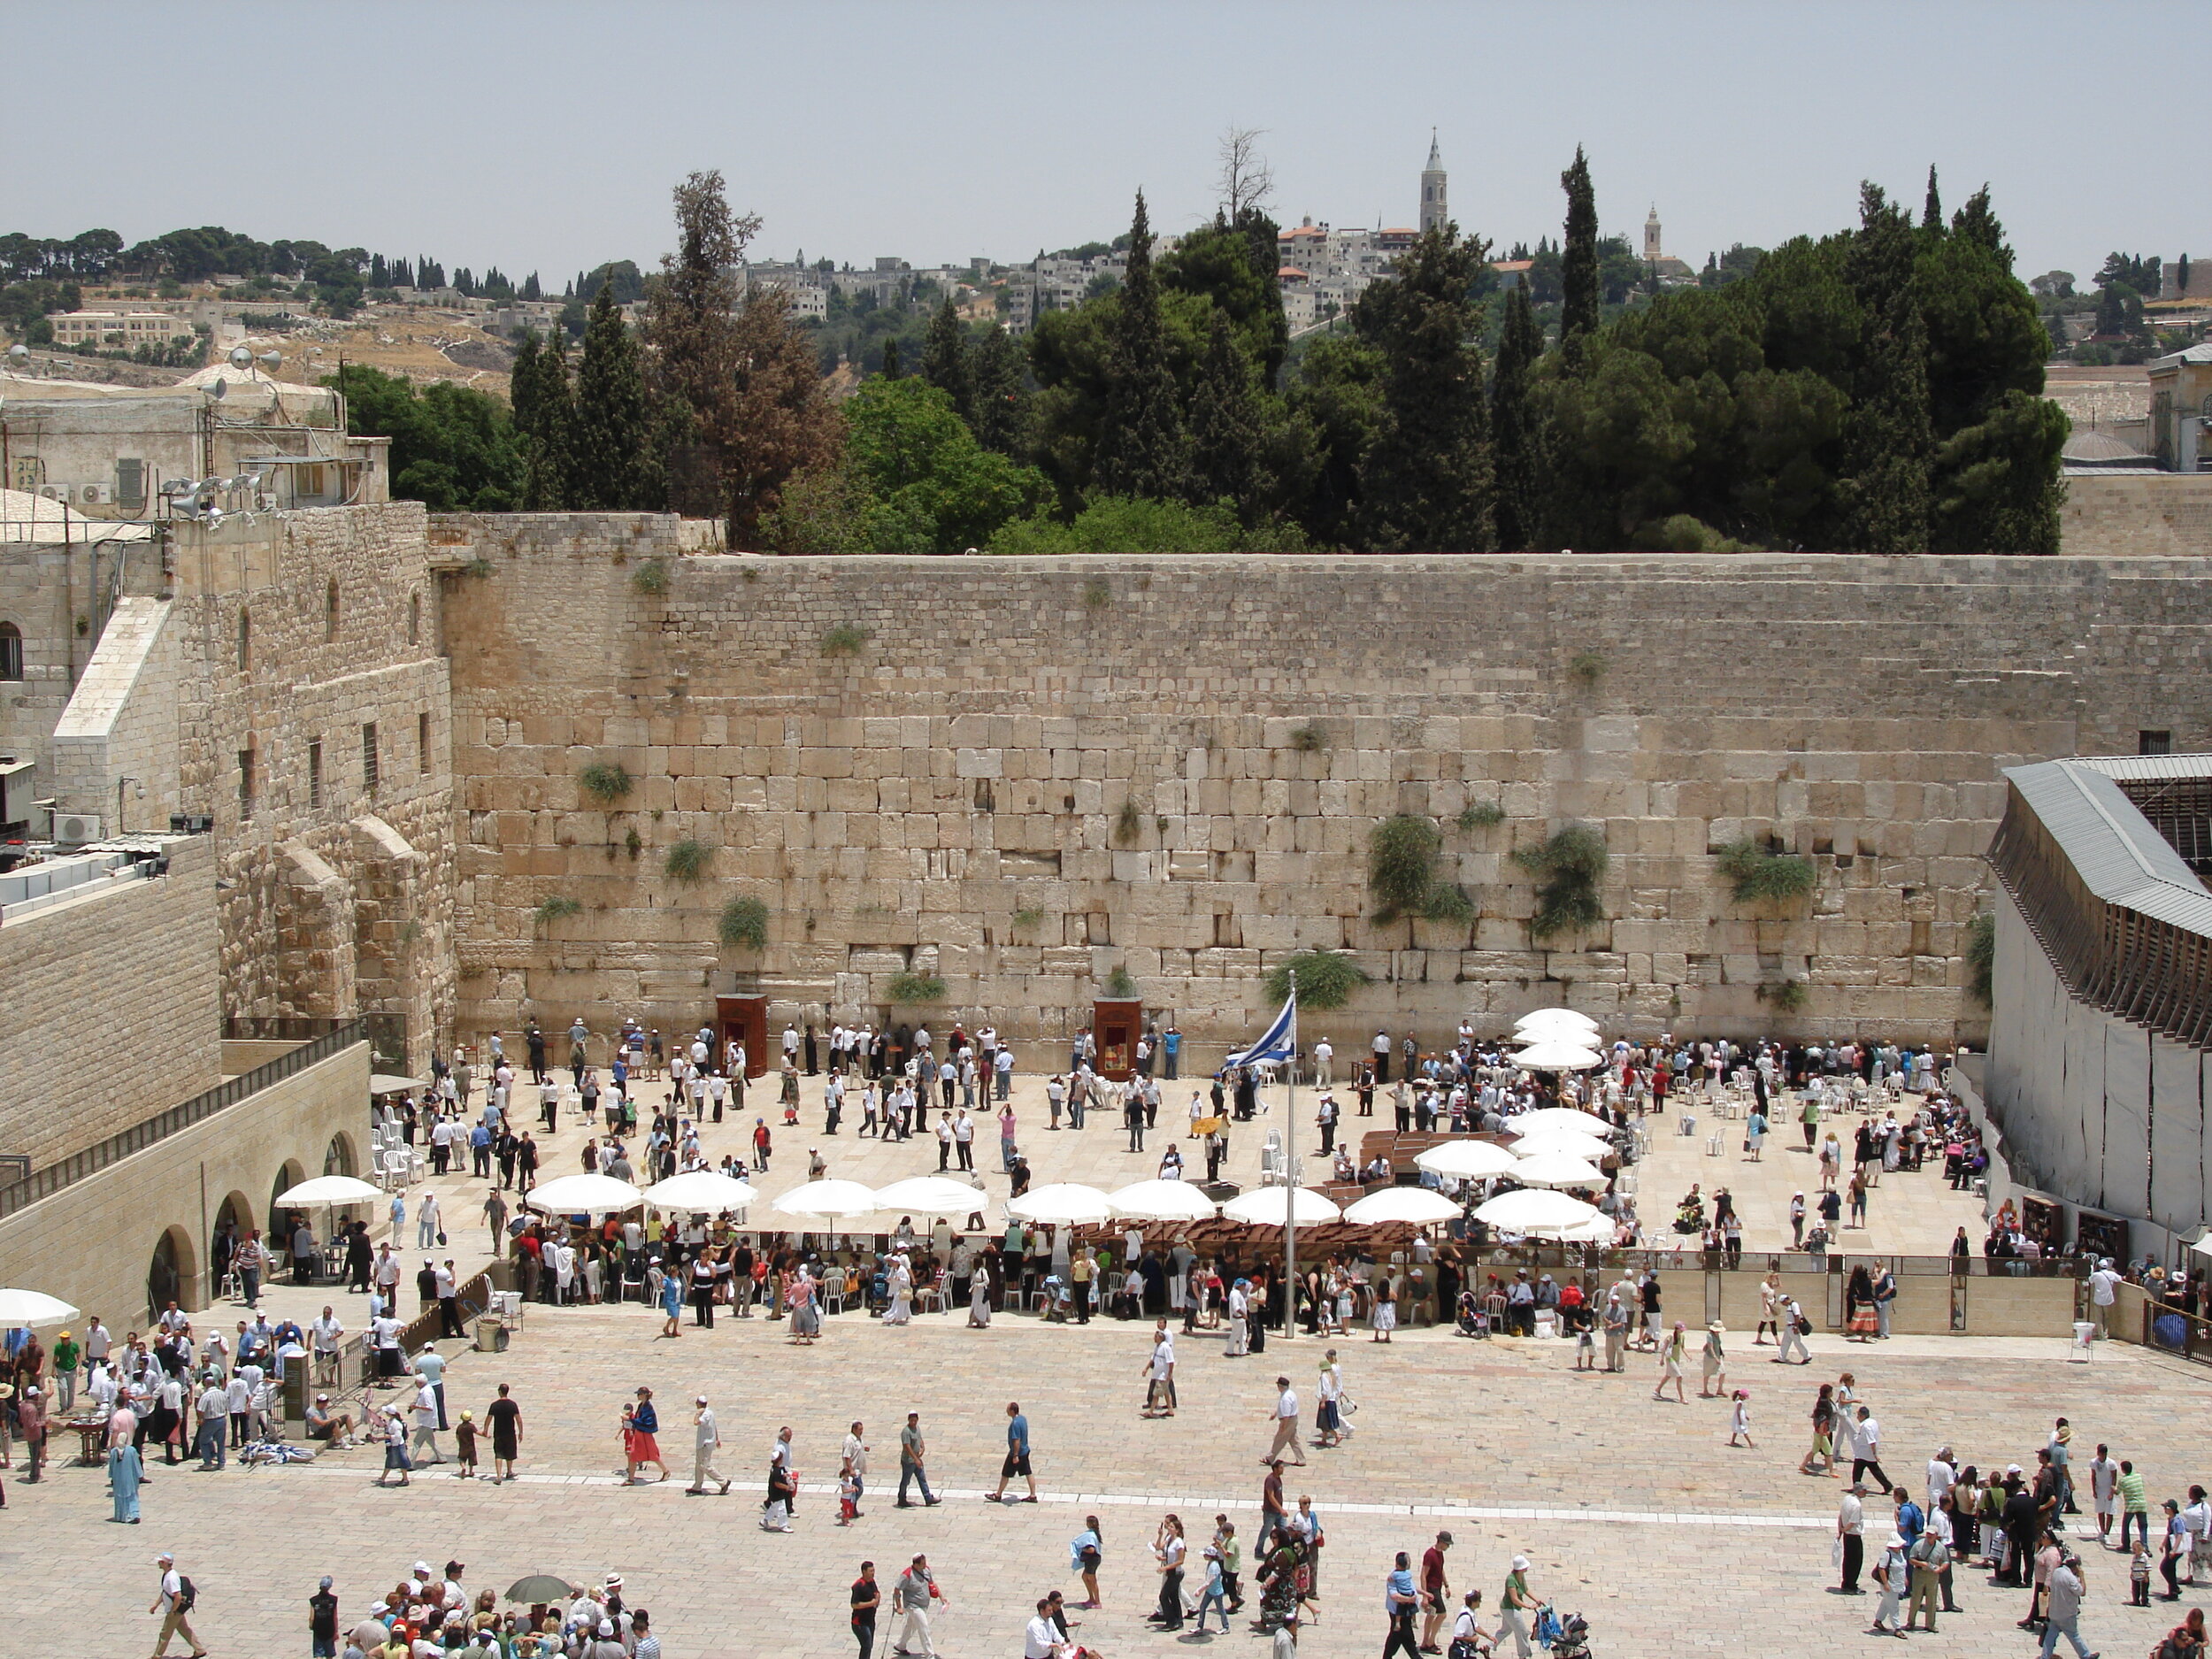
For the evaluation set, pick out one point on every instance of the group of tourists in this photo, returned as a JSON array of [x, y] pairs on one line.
[[439, 1612]]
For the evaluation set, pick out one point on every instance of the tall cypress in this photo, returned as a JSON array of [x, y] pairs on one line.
[[1889, 437], [945, 360], [1143, 448], [1578, 256], [1932, 209], [1224, 424], [1426, 480], [543, 411], [1002, 392], [1513, 423], [892, 367], [617, 466]]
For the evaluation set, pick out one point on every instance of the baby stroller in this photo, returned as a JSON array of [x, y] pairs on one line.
[[1567, 1639]]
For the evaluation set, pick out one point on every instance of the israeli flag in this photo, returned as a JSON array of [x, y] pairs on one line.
[[1280, 1041]]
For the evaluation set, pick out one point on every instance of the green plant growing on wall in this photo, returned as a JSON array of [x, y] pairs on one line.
[[1309, 738], [1480, 815], [1128, 824], [1402, 873], [744, 923], [845, 640], [650, 577], [1120, 982], [410, 931], [557, 907], [1028, 919], [633, 842], [1096, 595], [1759, 875], [478, 566], [688, 860], [1568, 866], [909, 987], [605, 781], [1323, 979], [1788, 996], [1981, 958], [1586, 668]]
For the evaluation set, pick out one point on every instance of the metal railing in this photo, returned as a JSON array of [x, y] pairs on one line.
[[74, 1168], [1694, 1258], [2196, 1333]]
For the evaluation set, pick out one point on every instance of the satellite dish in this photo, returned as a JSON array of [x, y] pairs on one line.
[[241, 359]]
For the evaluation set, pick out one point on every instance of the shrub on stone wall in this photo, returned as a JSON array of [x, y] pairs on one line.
[[744, 923], [1402, 873], [1759, 874], [688, 860], [1981, 958], [1569, 865], [605, 781], [844, 640], [1120, 982], [916, 987], [1128, 824], [1323, 979], [1480, 815], [1787, 996], [557, 907], [1028, 919], [1309, 738], [650, 577]]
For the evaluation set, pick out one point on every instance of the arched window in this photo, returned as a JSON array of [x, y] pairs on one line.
[[10, 651], [245, 639], [414, 619], [330, 609]]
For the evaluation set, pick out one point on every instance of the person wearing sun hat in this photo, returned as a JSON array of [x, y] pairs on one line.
[[67, 1356], [1515, 1607]]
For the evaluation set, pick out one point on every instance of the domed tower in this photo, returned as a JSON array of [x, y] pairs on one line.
[[1433, 211]]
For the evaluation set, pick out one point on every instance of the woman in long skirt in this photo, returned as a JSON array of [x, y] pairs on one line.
[[1673, 1355], [979, 1298], [1384, 1317], [124, 1470]]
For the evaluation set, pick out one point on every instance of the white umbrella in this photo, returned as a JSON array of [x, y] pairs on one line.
[[1545, 1118], [1467, 1160], [1062, 1204], [583, 1196], [2203, 1247], [1162, 1201], [1597, 1230], [1561, 1142], [1549, 1168], [1552, 1054], [1265, 1206], [1561, 1020], [931, 1195], [828, 1200], [330, 1189], [1417, 1204], [33, 1307], [1535, 1210], [385, 1083], [701, 1193]]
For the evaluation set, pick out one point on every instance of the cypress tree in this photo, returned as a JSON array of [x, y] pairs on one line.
[[617, 467], [1979, 224], [1002, 393], [1513, 423], [1890, 438], [1224, 424], [1143, 448], [945, 360], [543, 411], [530, 289], [891, 365], [1578, 256], [1931, 209], [1426, 481]]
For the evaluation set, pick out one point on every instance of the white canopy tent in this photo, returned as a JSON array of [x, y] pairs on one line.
[[1468, 1160], [827, 1201], [1265, 1206], [931, 1195], [583, 1196], [701, 1193], [1549, 1168], [1162, 1201], [1414, 1204], [1536, 1210], [1062, 1204]]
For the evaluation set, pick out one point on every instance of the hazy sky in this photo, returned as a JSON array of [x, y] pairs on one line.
[[546, 135]]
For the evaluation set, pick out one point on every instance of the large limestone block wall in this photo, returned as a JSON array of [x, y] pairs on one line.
[[111, 1013], [338, 895], [2136, 515], [1030, 773]]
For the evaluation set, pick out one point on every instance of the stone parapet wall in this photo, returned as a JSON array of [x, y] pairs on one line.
[[2138, 515], [1028, 772], [111, 1012]]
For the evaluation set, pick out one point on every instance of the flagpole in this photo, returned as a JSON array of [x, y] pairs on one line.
[[1290, 1183]]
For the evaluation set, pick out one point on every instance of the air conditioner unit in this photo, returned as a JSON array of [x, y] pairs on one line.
[[95, 494], [52, 492], [74, 829]]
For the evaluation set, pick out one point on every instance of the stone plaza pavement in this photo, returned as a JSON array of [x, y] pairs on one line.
[[1635, 1512]]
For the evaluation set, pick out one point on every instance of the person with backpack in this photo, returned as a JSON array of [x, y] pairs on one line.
[[174, 1602]]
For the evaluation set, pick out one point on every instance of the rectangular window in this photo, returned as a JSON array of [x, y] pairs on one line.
[[2154, 742], [315, 772], [422, 744], [245, 783], [368, 758]]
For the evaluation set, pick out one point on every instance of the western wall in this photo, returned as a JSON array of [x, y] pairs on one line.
[[1018, 775]]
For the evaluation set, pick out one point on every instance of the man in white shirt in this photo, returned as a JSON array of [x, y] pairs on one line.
[[1040, 1639], [2104, 1289], [1942, 1476], [855, 1452], [324, 1336], [1285, 1412], [705, 1437], [1324, 1052], [425, 1437], [171, 1605]]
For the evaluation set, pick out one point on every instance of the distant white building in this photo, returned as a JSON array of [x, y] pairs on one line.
[[118, 328]]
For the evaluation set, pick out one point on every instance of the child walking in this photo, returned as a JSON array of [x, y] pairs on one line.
[[464, 1445], [1739, 1421]]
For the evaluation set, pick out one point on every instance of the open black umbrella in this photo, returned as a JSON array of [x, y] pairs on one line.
[[540, 1586]]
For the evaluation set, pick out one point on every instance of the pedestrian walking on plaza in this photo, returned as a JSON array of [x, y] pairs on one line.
[[1514, 1607], [322, 1621], [1436, 1591], [2062, 1614], [1159, 1374], [1285, 1412], [915, 1595], [1400, 1604], [641, 1438], [1714, 1384], [1674, 1354], [1794, 1326], [867, 1596], [125, 1471], [1866, 1449], [1889, 1573], [775, 1516], [395, 1446], [1017, 1455], [505, 1417], [913, 1471], [1927, 1560], [173, 1602], [1740, 1420], [705, 1437], [1170, 1548], [1851, 1534], [1087, 1553]]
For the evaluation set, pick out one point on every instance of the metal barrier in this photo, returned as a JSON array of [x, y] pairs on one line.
[[2196, 1338], [74, 1168]]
